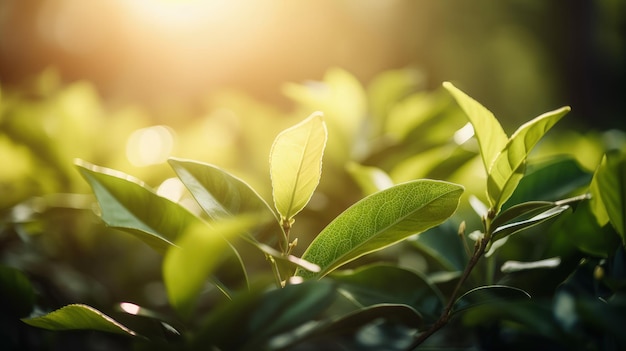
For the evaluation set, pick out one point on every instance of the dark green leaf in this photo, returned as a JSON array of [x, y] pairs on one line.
[[17, 296], [376, 284], [515, 227]]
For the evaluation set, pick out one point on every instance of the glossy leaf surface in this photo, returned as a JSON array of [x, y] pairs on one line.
[[78, 317], [381, 220], [507, 169], [489, 133], [296, 164], [222, 195], [127, 204]]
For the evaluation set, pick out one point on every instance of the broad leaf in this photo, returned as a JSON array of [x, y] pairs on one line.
[[78, 317], [444, 246], [296, 164], [221, 195], [200, 250], [489, 133], [377, 284], [127, 204], [608, 189], [381, 220], [507, 169], [488, 294]]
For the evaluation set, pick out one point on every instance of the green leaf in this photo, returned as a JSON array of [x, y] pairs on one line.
[[381, 220], [296, 164], [488, 294], [608, 189], [127, 204], [515, 227], [489, 133], [379, 327], [198, 253], [507, 168], [443, 245], [222, 195], [548, 180], [78, 317], [525, 209], [376, 284]]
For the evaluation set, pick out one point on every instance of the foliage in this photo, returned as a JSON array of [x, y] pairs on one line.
[[373, 253]]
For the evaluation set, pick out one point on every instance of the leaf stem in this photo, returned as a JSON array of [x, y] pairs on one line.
[[479, 251]]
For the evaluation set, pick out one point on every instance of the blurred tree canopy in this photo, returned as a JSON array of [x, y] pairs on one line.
[[172, 53]]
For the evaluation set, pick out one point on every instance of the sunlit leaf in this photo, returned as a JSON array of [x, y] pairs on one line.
[[222, 195], [608, 189], [128, 204], [507, 169], [381, 220], [487, 294], [489, 133], [296, 164], [387, 88], [376, 284], [78, 317], [527, 209], [198, 253]]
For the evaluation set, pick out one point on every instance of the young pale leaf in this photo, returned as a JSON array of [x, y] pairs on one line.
[[127, 204], [296, 164], [221, 195], [489, 133], [198, 253], [381, 220], [370, 179], [507, 169], [78, 317], [609, 192]]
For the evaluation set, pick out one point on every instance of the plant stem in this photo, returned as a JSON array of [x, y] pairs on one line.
[[479, 251]]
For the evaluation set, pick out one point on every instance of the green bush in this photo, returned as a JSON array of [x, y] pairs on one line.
[[513, 250]]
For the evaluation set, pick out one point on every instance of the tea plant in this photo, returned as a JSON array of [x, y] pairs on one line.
[[234, 282]]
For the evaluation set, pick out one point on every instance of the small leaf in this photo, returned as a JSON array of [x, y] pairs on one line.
[[222, 195], [78, 317], [296, 164], [488, 294], [200, 250], [608, 189], [489, 133], [515, 227], [380, 220], [526, 209], [127, 204], [507, 169]]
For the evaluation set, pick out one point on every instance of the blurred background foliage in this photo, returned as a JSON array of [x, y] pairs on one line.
[[127, 84]]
